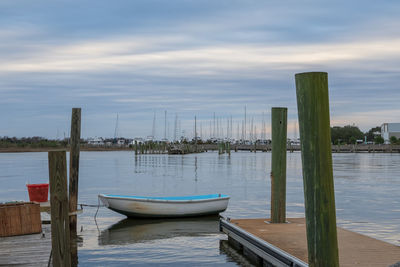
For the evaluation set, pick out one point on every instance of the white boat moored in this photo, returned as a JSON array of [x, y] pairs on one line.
[[181, 206]]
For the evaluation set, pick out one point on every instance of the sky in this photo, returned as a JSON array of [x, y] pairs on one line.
[[134, 59]]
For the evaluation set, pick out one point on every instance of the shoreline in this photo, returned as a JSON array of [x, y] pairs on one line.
[[362, 148]]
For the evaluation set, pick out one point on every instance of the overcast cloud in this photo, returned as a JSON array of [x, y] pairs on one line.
[[134, 58]]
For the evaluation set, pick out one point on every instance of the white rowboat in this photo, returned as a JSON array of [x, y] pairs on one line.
[[184, 206]]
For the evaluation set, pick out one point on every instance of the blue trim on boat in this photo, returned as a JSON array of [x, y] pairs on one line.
[[177, 198]]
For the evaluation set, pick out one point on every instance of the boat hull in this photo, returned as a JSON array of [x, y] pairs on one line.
[[156, 208]]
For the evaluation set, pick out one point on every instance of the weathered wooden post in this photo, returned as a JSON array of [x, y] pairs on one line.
[[316, 155], [74, 179], [278, 165], [60, 235], [74, 167]]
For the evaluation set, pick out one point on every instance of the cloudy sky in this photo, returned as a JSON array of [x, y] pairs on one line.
[[191, 58]]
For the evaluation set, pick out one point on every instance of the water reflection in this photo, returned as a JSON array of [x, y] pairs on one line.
[[232, 254], [367, 187], [195, 169], [129, 231]]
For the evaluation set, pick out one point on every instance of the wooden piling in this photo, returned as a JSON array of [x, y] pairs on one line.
[[74, 180], [141, 148], [136, 148], [74, 167], [228, 148], [319, 197], [60, 235], [278, 164]]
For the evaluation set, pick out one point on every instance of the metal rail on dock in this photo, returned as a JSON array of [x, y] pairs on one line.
[[266, 251]]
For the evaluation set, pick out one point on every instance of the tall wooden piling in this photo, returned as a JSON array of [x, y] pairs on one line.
[[278, 164], [74, 167], [74, 180], [316, 154], [60, 235]]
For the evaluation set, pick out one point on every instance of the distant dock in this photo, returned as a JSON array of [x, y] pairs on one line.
[[360, 148], [285, 244]]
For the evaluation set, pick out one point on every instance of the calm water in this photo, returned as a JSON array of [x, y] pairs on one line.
[[367, 190]]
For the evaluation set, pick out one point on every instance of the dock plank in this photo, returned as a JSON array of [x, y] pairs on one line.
[[354, 249], [26, 250]]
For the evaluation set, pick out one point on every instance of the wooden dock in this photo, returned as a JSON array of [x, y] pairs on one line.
[[286, 244], [26, 250]]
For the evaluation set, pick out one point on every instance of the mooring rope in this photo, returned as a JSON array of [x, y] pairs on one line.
[[98, 206], [49, 262], [91, 205], [95, 215]]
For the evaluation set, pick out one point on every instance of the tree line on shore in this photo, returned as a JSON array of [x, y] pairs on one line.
[[31, 142], [352, 134]]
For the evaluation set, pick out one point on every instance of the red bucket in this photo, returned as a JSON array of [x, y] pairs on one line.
[[38, 192]]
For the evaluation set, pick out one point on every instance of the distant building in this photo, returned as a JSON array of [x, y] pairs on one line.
[[96, 141], [137, 140], [294, 142], [150, 138], [390, 129], [121, 142]]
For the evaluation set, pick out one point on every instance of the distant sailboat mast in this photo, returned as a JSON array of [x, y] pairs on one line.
[[245, 123], [201, 130], [214, 127], [116, 128], [195, 129], [176, 127], [153, 131], [231, 133], [165, 125], [210, 130]]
